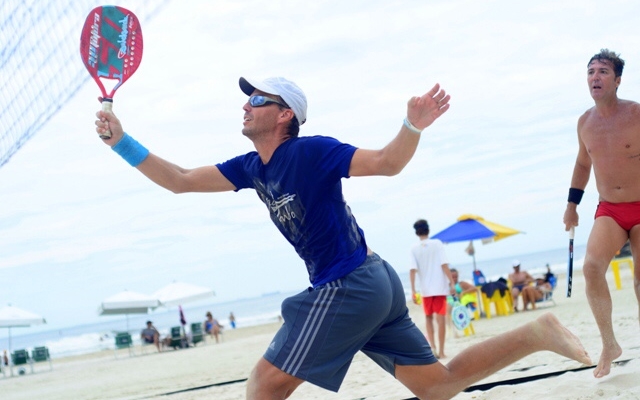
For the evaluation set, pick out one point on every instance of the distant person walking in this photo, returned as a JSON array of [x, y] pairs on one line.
[[608, 141], [429, 263], [232, 320]]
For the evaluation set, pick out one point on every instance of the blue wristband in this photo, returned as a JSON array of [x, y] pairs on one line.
[[133, 152]]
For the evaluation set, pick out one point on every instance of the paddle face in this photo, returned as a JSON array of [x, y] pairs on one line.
[[460, 316], [111, 46]]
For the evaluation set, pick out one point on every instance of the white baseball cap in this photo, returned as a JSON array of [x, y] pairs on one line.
[[516, 263], [289, 91]]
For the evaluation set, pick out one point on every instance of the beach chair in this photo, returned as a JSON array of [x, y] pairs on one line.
[[20, 357], [478, 278], [496, 294], [40, 354], [123, 340], [615, 269], [178, 341], [197, 334], [144, 346]]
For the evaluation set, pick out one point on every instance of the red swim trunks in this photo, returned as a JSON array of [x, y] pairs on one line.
[[627, 215], [434, 305]]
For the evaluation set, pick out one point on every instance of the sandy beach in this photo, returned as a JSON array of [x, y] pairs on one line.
[[194, 372]]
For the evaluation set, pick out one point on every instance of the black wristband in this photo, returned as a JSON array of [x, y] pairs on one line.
[[575, 195]]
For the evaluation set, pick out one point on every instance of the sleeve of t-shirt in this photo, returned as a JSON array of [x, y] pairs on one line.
[[235, 171], [330, 156]]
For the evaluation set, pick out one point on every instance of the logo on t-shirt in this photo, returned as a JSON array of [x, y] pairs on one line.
[[281, 209]]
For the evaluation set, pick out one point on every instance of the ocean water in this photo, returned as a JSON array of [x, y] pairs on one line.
[[263, 309]]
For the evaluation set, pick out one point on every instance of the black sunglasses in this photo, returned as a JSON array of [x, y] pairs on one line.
[[260, 101]]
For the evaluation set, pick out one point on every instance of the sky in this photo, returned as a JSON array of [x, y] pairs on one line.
[[78, 224]]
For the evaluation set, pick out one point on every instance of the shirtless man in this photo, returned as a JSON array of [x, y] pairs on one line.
[[608, 140], [519, 280]]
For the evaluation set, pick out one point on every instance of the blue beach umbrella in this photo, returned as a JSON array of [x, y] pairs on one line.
[[473, 227]]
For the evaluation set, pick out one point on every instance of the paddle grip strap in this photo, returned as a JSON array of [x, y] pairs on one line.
[[133, 152], [410, 126], [575, 195]]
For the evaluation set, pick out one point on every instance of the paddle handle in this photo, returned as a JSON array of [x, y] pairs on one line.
[[570, 263]]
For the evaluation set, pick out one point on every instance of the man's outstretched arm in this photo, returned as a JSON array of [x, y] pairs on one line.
[[170, 176], [391, 159]]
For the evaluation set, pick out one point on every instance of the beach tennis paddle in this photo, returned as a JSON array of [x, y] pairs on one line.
[[111, 49], [570, 265], [460, 315]]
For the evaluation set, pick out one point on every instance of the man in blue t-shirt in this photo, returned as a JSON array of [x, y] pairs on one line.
[[356, 301]]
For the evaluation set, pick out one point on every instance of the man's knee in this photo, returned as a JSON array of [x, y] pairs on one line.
[[268, 382], [594, 269]]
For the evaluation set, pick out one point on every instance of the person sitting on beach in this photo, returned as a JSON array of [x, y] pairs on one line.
[[150, 335], [550, 277], [212, 326], [466, 293], [519, 279], [533, 294]]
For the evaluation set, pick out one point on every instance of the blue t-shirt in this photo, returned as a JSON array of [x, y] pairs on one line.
[[301, 187]]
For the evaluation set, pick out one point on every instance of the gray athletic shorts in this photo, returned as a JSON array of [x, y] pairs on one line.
[[325, 327]]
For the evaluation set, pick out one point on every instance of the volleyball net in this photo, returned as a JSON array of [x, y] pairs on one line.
[[40, 65]]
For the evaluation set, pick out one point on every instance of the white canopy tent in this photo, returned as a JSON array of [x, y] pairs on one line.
[[178, 293], [128, 302], [14, 317]]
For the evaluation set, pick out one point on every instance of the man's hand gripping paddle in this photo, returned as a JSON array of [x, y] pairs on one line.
[[111, 49], [570, 266]]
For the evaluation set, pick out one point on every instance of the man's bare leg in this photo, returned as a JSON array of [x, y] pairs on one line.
[[436, 381], [636, 282], [526, 298], [514, 296], [267, 382], [156, 341], [634, 238], [430, 333], [636, 287], [532, 298], [605, 241], [441, 334]]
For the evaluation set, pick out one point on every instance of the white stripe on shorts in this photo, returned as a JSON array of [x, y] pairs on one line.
[[311, 327]]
